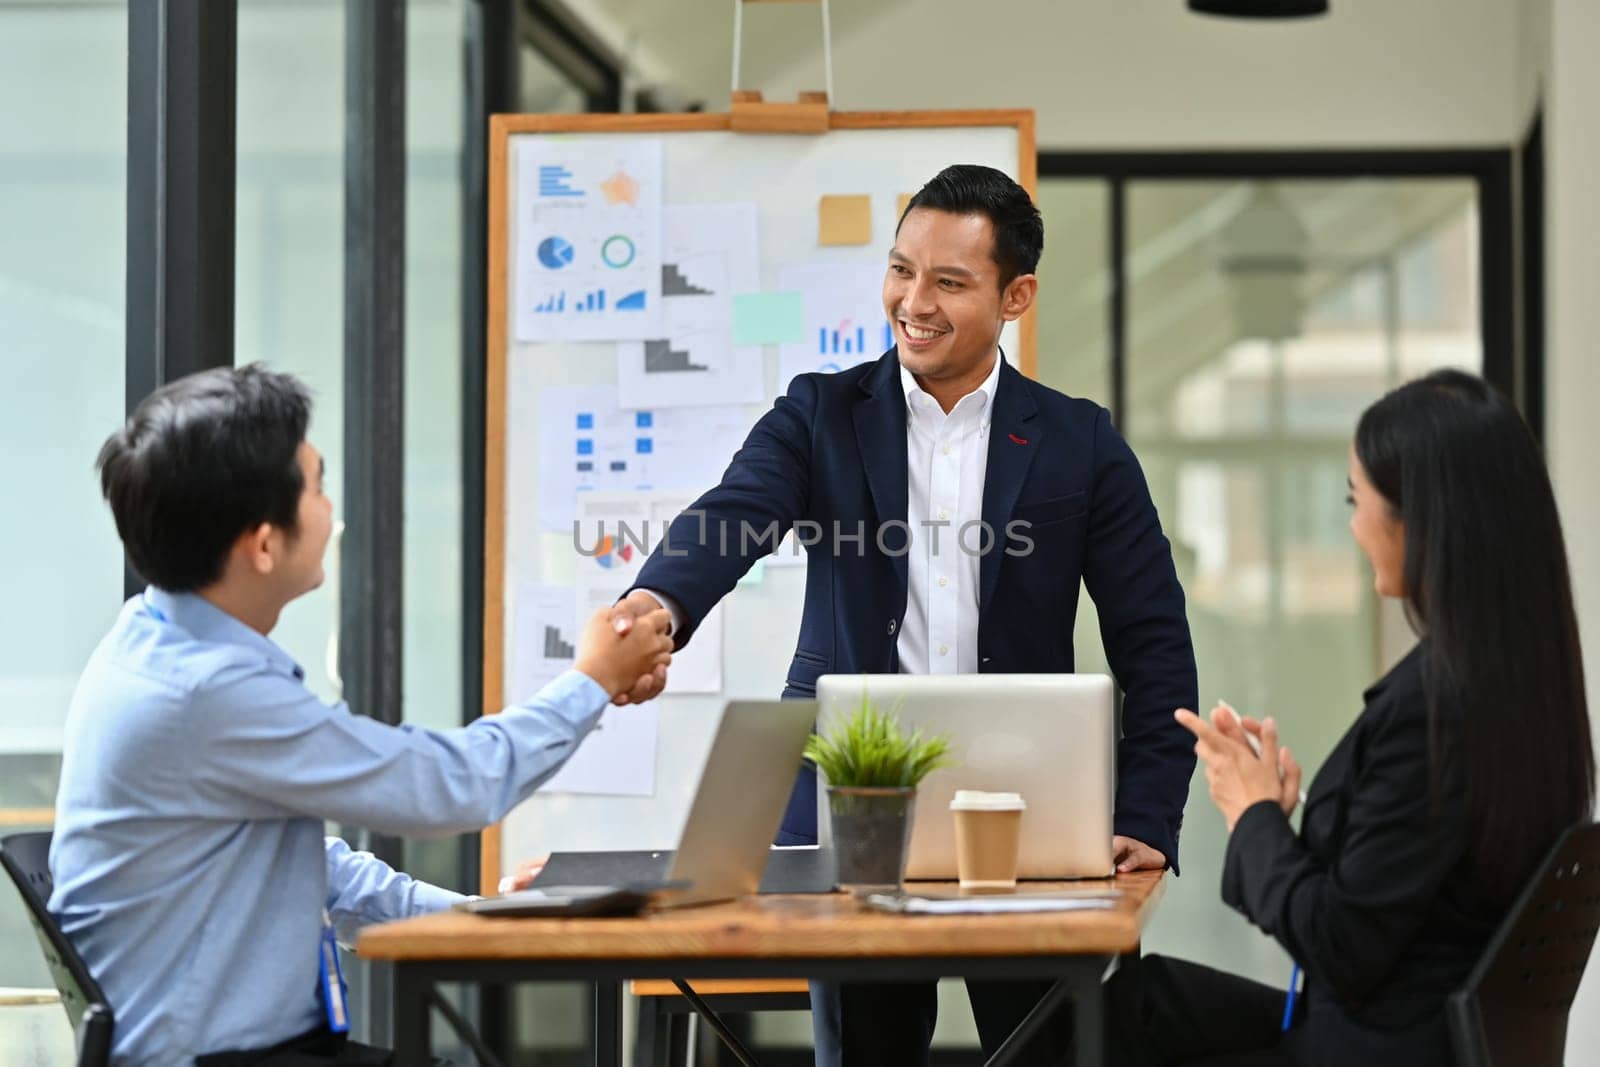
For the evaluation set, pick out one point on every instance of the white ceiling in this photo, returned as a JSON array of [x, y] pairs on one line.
[[1112, 73]]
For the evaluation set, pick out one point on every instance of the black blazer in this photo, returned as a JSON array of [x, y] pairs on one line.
[[833, 452], [1374, 897]]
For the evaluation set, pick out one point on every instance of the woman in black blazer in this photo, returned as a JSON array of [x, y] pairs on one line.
[[1467, 761]]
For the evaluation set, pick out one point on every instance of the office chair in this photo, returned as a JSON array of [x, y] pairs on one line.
[[26, 858], [1512, 1011]]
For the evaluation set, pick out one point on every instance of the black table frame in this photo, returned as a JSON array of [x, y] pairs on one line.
[[1077, 977]]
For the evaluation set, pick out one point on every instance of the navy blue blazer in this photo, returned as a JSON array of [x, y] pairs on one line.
[[833, 451]]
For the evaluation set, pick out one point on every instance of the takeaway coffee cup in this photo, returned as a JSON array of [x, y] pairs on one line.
[[988, 826]]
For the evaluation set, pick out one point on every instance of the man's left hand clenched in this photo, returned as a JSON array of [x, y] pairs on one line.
[[1130, 854]]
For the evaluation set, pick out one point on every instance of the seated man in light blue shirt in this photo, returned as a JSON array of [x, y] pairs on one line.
[[190, 866]]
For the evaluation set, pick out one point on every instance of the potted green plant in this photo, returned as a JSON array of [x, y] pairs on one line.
[[872, 767]]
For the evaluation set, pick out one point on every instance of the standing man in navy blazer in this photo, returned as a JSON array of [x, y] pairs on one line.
[[951, 507]]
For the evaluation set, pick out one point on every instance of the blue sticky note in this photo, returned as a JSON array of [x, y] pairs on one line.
[[585, 446], [585, 420], [644, 446], [768, 318], [644, 420]]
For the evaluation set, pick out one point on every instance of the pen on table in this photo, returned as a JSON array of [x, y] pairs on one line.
[[1255, 745]]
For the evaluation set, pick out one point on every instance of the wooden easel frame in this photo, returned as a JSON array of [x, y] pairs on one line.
[[501, 129]]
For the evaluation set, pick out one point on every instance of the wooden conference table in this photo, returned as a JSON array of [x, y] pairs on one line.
[[821, 936]]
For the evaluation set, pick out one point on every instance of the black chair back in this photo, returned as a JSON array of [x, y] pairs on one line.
[[1513, 1008], [26, 858]]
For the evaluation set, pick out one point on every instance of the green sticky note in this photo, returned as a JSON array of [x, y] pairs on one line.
[[768, 318], [754, 575]]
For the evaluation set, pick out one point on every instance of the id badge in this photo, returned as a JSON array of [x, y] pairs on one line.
[[333, 984]]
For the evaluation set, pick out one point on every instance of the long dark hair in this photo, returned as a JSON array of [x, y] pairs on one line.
[[1487, 585]]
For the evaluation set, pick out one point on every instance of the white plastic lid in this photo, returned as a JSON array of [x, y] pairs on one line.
[[977, 800]]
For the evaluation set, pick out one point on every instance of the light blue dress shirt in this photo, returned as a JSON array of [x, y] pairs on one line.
[[190, 866]]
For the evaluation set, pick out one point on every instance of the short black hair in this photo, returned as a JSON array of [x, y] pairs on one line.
[[970, 189], [200, 462]]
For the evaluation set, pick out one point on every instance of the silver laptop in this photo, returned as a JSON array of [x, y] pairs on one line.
[[1050, 737], [738, 806]]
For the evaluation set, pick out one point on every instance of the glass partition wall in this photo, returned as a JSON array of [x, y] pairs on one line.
[[1250, 321]]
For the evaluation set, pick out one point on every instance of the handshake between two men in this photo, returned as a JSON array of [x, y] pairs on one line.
[[640, 609]]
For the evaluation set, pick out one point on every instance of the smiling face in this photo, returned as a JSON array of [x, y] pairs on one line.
[[943, 296]]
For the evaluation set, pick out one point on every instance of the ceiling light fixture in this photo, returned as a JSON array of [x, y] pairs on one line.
[[1260, 9]]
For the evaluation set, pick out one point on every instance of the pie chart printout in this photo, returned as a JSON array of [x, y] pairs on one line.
[[554, 253]]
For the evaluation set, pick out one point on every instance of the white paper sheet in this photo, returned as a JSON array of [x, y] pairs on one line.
[[545, 629], [986, 905], [616, 758], [588, 232], [588, 443], [709, 255], [634, 524], [624, 526], [845, 323]]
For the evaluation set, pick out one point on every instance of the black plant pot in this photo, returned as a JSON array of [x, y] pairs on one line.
[[871, 829]]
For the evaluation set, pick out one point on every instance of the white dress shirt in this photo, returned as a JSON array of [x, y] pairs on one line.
[[947, 457]]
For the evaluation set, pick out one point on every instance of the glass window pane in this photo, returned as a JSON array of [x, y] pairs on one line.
[[1263, 318], [289, 251], [432, 638], [1075, 287], [1074, 306], [434, 83], [63, 205]]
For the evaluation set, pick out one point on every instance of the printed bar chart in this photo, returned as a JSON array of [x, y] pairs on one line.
[[554, 647], [553, 181], [850, 342], [828, 341]]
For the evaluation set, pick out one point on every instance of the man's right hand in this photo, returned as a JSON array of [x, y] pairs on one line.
[[618, 657], [636, 605]]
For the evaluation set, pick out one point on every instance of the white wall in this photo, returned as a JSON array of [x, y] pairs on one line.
[[1571, 30], [1533, 58]]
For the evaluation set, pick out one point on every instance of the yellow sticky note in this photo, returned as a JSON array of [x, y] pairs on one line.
[[900, 205], [844, 220]]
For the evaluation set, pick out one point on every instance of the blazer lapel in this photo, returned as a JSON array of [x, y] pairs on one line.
[[880, 418], [1015, 436]]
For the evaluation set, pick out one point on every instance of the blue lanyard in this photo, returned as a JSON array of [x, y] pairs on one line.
[[332, 982], [155, 612], [1288, 1001]]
